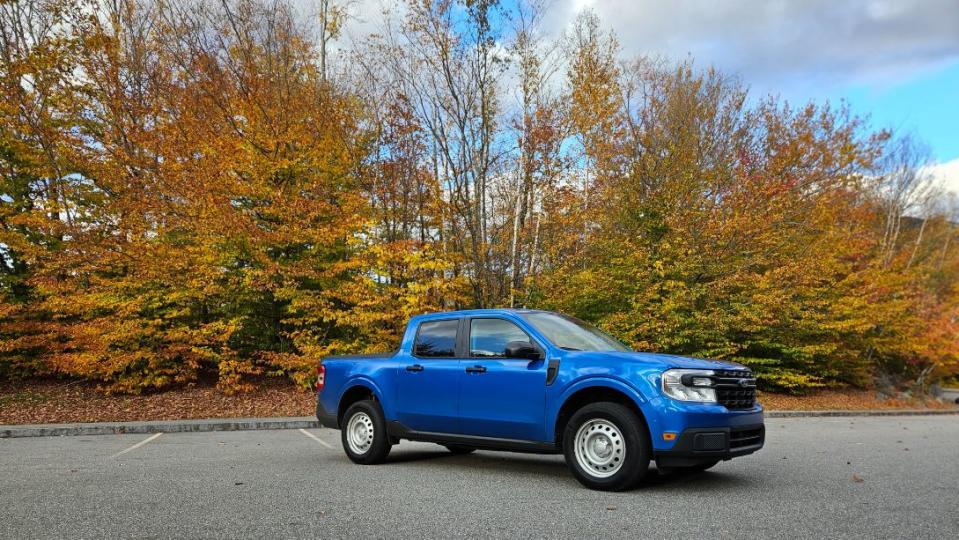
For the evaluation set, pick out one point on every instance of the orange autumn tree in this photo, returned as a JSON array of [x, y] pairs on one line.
[[43, 196], [204, 190], [733, 232], [227, 169], [228, 224]]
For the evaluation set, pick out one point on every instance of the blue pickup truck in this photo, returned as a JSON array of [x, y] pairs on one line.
[[537, 381]]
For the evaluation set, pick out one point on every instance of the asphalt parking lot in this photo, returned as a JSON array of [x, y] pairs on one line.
[[817, 477]]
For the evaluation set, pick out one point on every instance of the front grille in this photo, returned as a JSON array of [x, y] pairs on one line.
[[745, 437], [735, 388]]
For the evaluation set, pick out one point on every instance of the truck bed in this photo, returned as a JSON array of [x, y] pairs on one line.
[[365, 356]]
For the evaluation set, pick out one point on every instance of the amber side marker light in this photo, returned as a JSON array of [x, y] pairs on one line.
[[669, 436]]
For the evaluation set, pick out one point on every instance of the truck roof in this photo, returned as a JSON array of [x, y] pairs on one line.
[[474, 312]]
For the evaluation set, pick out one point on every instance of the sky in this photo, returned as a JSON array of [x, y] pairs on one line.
[[895, 61]]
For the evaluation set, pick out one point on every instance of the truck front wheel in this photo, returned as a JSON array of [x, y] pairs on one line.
[[364, 435], [606, 447]]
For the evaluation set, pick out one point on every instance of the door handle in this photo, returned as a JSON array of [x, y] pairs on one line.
[[476, 369], [414, 367]]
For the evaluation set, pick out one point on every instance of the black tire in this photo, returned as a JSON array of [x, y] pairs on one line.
[[627, 439], [459, 449], [377, 445]]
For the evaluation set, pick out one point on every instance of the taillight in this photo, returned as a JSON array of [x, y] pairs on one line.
[[320, 378]]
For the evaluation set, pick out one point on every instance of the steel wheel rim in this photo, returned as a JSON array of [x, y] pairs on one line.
[[599, 448], [359, 433]]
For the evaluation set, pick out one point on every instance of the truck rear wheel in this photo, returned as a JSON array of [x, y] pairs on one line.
[[364, 435], [606, 447]]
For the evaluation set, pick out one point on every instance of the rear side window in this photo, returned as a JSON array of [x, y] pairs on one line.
[[436, 339], [488, 337]]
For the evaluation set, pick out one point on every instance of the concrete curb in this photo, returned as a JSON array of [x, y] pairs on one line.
[[816, 414], [159, 426], [308, 422]]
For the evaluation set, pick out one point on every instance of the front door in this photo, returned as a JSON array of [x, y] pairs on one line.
[[501, 397], [428, 382]]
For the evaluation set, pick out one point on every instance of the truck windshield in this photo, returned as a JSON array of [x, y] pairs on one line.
[[572, 334]]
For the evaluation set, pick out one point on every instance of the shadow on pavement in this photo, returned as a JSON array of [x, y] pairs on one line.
[[420, 455], [554, 467], [705, 481]]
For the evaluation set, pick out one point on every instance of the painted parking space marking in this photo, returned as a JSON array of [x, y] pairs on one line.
[[137, 445], [317, 439]]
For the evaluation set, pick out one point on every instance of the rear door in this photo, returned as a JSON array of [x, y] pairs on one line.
[[501, 397], [428, 383]]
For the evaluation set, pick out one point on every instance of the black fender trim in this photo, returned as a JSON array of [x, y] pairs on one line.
[[552, 370], [398, 430]]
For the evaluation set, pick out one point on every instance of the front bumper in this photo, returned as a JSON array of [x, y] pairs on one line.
[[700, 445], [326, 419]]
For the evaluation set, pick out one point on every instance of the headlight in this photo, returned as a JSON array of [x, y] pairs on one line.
[[689, 385]]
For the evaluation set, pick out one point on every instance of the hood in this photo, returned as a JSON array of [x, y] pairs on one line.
[[666, 361]]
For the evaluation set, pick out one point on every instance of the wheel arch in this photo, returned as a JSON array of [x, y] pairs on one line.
[[596, 390], [356, 390]]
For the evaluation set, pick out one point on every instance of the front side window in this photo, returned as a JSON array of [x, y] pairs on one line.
[[572, 334], [488, 337], [436, 339]]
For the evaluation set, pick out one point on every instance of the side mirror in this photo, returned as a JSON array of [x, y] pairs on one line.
[[522, 349]]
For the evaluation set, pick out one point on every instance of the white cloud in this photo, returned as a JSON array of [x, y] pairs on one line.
[[813, 42], [947, 175], [773, 44]]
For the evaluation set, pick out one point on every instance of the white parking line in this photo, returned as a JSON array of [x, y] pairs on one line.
[[137, 445], [317, 439]]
